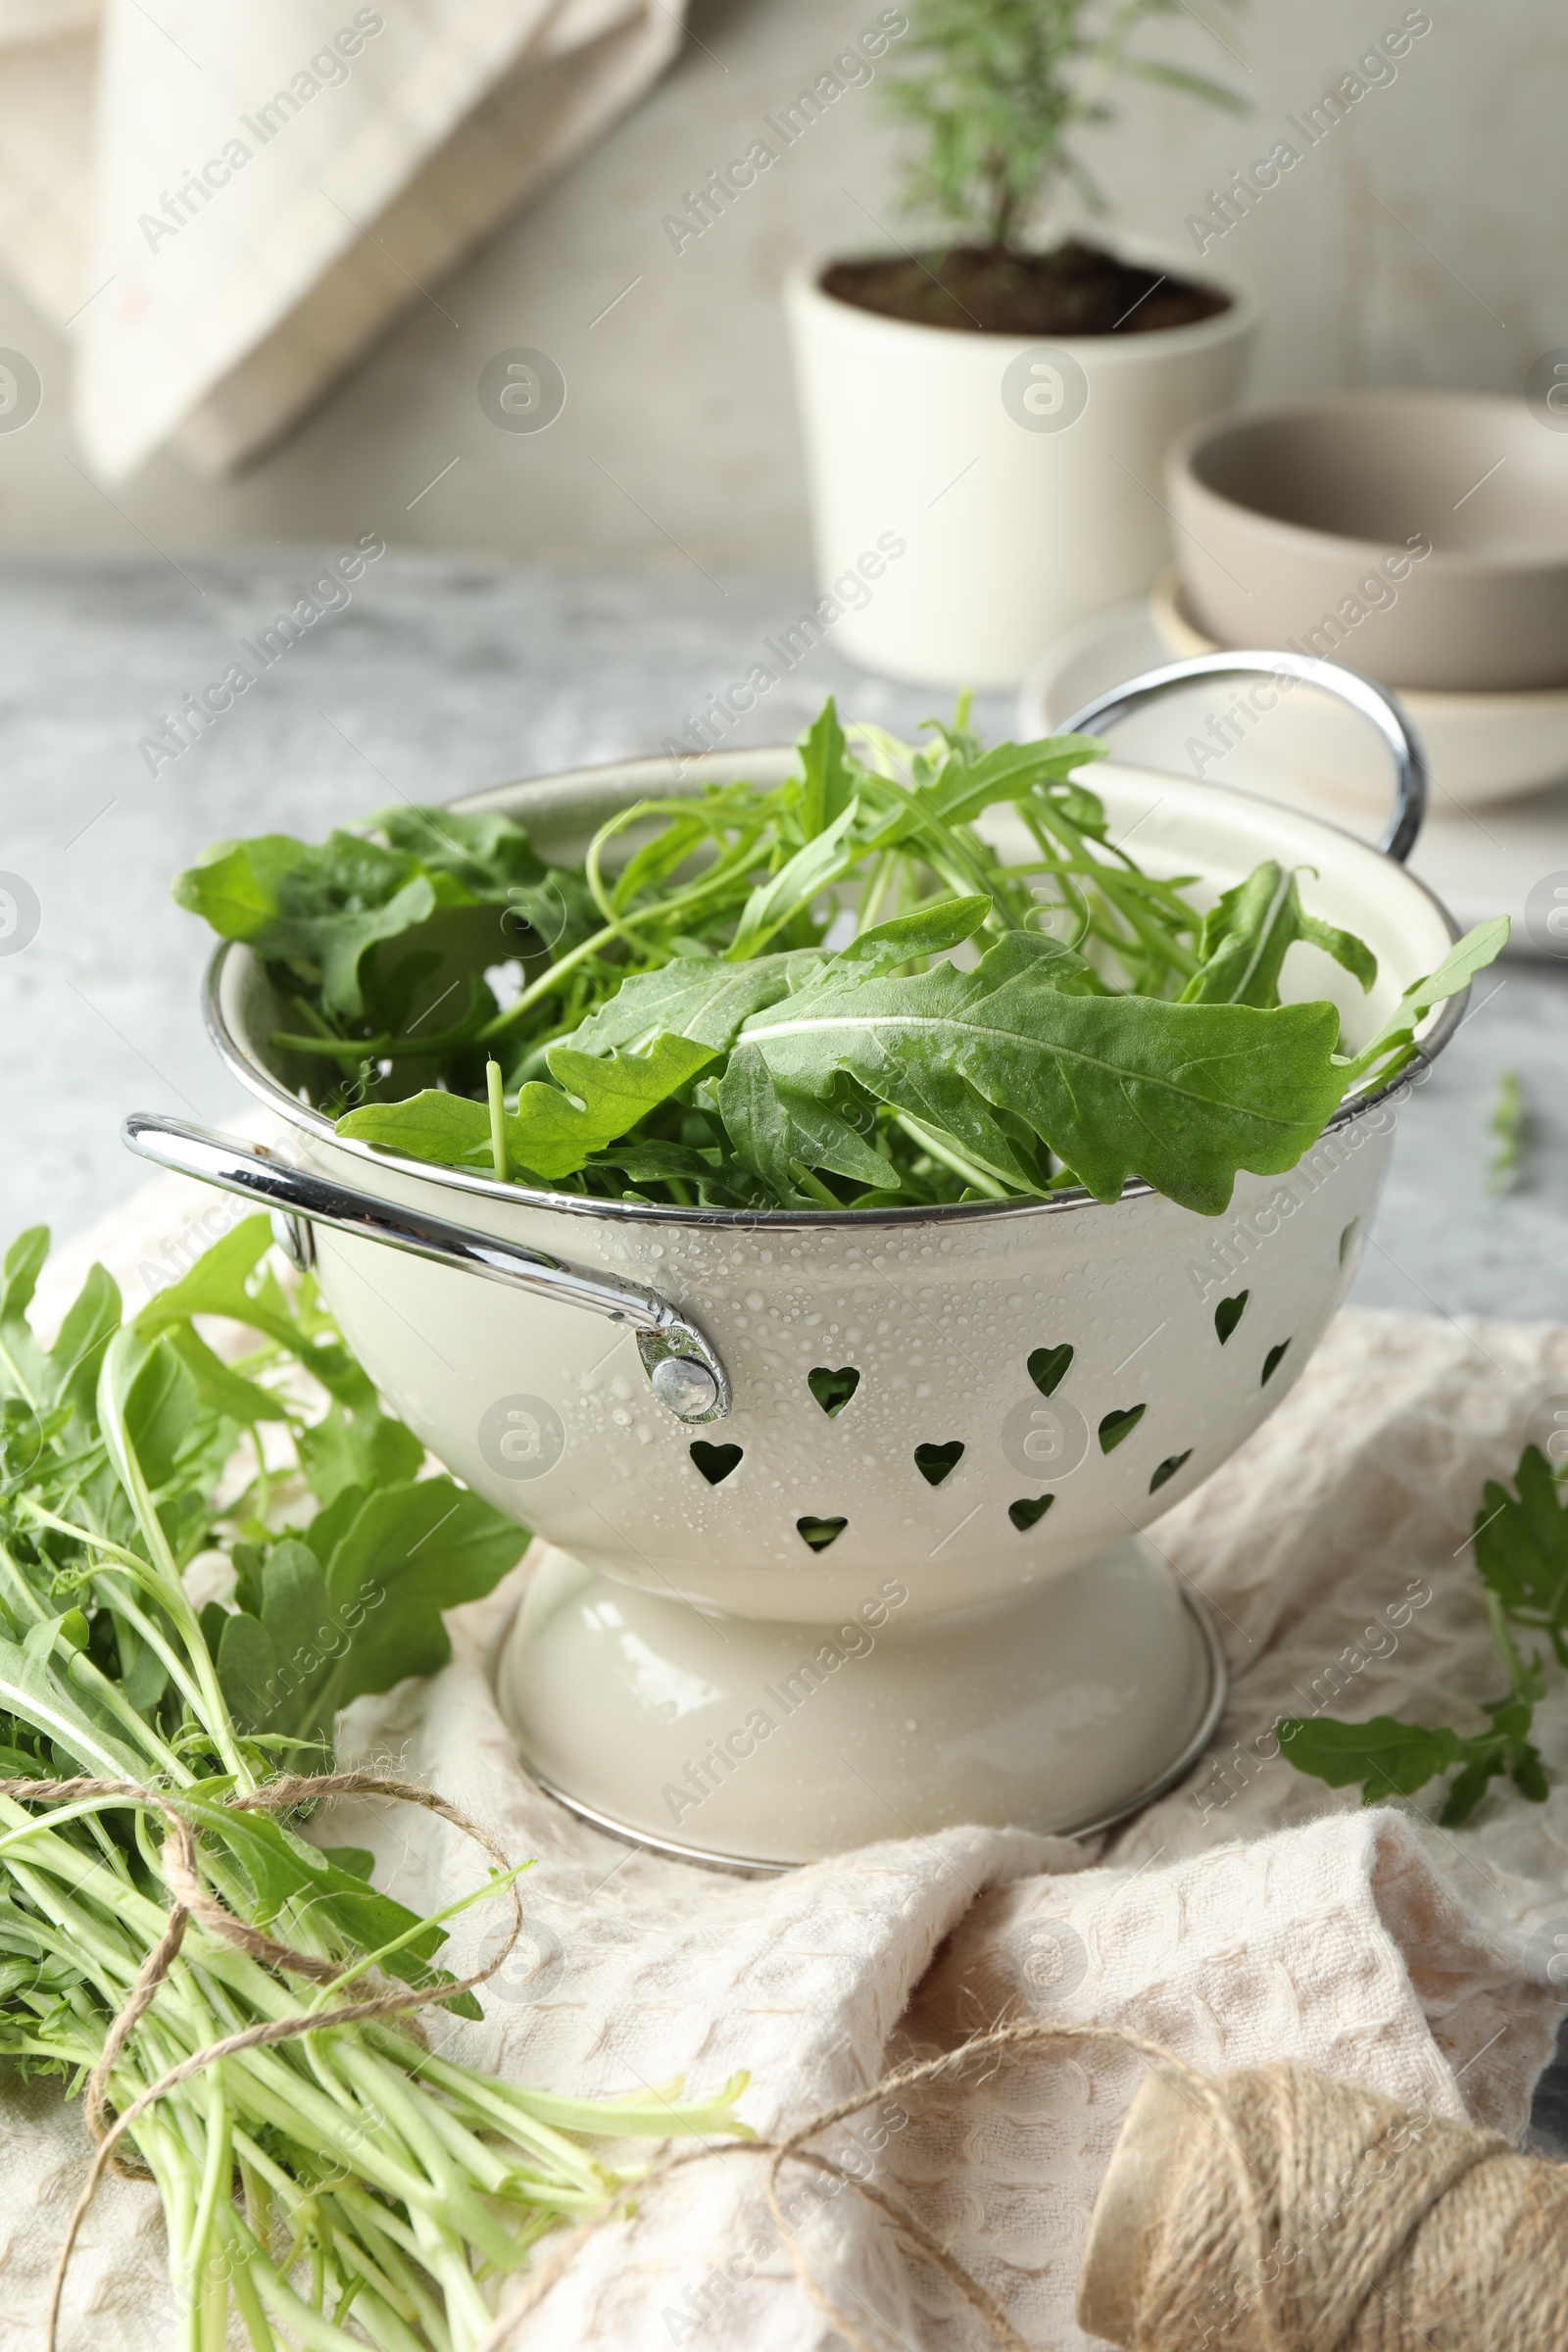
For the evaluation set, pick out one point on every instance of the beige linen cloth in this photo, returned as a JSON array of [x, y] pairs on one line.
[[224, 202], [1250, 1915]]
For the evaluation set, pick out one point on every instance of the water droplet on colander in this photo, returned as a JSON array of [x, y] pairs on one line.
[[687, 1387]]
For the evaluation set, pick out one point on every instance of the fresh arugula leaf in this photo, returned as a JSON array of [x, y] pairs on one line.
[[350, 1447], [404, 1557], [247, 1667], [1389, 1757], [1182, 1095], [964, 789], [555, 1129], [782, 1133], [1393, 1045], [290, 1883], [1521, 1548], [216, 1283], [330, 1523], [77, 1357], [692, 997], [83, 1735], [486, 851], [828, 776], [24, 1263], [229, 1280], [323, 908], [1248, 934], [451, 1131], [553, 1132], [908, 938], [774, 902], [160, 1411], [220, 1388]]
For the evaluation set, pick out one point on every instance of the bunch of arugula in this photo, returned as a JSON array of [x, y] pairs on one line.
[[835, 992], [1520, 1543], [352, 2171]]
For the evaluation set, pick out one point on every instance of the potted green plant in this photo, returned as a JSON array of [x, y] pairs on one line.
[[993, 406]]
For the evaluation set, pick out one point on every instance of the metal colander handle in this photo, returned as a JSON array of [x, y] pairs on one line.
[[1362, 694], [683, 1368]]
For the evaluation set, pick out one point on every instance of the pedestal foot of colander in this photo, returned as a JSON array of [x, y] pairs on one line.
[[758, 1747]]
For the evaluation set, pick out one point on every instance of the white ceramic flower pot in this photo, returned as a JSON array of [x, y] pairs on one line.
[[1022, 481]]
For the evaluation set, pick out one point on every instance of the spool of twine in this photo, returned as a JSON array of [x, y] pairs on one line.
[[1269, 2211], [1280, 2211]]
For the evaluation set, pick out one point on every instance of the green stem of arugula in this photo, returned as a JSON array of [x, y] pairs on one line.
[[504, 1023], [940, 1148], [875, 892], [813, 1186], [118, 1599], [713, 882], [498, 1117], [1518, 1673], [212, 1709]]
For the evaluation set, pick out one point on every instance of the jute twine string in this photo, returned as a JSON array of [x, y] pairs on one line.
[[1243, 2242], [193, 1900], [1275, 2227], [1206, 2093]]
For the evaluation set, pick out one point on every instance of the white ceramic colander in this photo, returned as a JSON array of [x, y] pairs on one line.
[[845, 1506]]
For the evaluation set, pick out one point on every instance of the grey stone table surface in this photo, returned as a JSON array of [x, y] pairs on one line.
[[439, 675]]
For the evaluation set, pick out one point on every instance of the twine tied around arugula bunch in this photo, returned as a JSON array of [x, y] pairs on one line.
[[316, 2162]]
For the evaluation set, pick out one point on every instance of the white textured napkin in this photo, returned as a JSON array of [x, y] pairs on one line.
[[225, 203], [1250, 1915]]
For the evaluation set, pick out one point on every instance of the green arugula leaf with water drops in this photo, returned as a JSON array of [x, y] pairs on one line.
[[1182, 1095]]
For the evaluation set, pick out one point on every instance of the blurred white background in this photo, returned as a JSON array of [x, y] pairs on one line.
[[1419, 243]]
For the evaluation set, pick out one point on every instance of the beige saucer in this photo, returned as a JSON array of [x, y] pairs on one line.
[[1480, 748], [1489, 839]]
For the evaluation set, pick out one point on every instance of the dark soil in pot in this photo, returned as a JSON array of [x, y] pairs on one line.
[[1075, 290]]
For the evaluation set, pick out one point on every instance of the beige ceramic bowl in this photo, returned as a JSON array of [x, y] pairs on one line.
[[1420, 537]]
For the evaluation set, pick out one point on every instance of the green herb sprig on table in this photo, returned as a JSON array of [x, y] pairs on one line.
[[1520, 1542], [350, 2185], [837, 992], [1509, 1127]]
